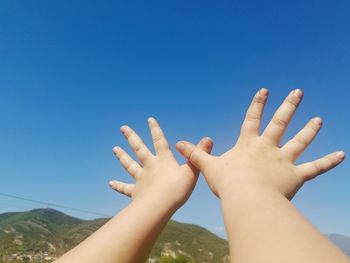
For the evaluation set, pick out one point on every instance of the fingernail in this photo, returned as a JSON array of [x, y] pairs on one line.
[[318, 121], [181, 146], [264, 92], [298, 93], [151, 119], [111, 183], [116, 149], [123, 128], [207, 139], [341, 155]]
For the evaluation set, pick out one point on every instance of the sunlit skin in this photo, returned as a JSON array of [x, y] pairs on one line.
[[159, 175], [255, 181], [161, 186]]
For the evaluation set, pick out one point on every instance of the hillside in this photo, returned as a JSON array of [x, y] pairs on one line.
[[343, 242], [193, 241], [48, 233]]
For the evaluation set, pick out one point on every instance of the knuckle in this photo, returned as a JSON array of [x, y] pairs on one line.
[[293, 101], [191, 155], [157, 138], [145, 157], [138, 147], [279, 122], [259, 99], [131, 168], [313, 130], [318, 168], [252, 116], [312, 126], [302, 142]]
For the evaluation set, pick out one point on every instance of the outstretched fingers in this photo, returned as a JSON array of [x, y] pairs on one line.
[[132, 167], [310, 170], [139, 148], [302, 140], [195, 155], [251, 124], [160, 143], [278, 125], [123, 188]]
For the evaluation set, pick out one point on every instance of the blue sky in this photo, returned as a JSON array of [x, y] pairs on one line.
[[73, 72]]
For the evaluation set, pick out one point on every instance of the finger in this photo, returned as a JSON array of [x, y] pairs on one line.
[[276, 128], [132, 167], [160, 143], [302, 140], [310, 170], [251, 124], [123, 188], [205, 144], [196, 156], [141, 151]]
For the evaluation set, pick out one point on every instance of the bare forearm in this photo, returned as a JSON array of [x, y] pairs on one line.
[[127, 237], [264, 226], [161, 186], [255, 179]]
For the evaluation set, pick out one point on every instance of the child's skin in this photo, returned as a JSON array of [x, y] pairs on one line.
[[161, 187], [255, 181]]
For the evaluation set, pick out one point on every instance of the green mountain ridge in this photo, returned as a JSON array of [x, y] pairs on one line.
[[48, 232]]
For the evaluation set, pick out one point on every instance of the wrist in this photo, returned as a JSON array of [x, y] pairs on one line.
[[157, 204], [247, 189], [251, 201]]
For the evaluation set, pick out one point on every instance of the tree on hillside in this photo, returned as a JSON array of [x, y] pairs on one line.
[[178, 259]]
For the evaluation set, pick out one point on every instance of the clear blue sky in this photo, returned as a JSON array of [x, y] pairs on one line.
[[73, 72]]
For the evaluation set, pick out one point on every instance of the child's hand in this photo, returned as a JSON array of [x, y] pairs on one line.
[[258, 159], [157, 176], [162, 186]]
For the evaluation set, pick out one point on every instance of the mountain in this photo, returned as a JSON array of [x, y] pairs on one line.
[[49, 233], [45, 233], [343, 242], [193, 241]]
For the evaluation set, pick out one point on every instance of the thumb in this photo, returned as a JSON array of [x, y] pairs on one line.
[[194, 154], [205, 144]]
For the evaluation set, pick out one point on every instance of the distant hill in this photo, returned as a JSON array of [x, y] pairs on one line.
[[47, 232], [193, 241], [343, 242]]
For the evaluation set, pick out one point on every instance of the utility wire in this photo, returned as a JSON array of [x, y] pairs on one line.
[[48, 204]]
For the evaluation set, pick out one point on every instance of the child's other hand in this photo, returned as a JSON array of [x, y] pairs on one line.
[[258, 159], [158, 177]]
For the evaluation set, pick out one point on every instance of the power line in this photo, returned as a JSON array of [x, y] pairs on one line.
[[48, 204]]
